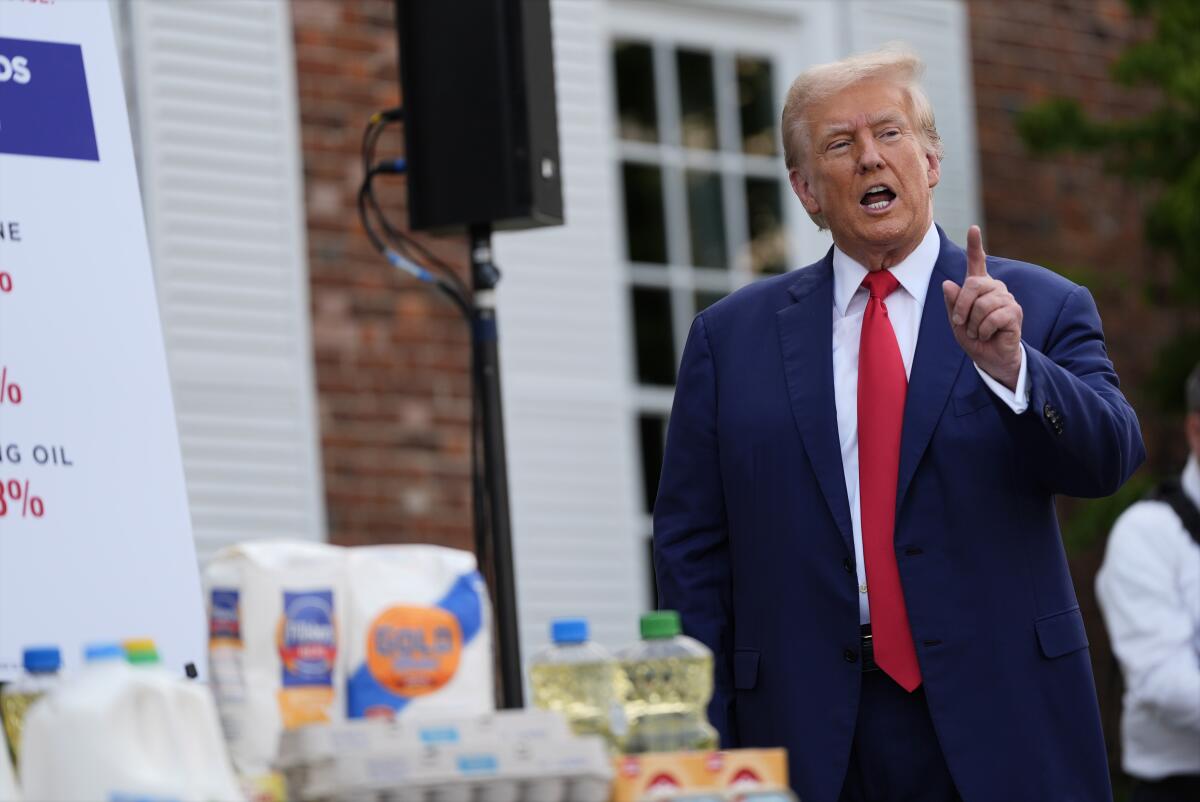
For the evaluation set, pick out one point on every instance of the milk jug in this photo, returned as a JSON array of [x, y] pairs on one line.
[[118, 731]]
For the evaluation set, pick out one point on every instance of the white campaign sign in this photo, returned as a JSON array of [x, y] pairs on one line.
[[95, 537]]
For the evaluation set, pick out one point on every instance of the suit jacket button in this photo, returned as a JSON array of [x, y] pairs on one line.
[[850, 656], [848, 566]]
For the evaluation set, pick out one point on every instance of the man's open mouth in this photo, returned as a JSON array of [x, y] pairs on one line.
[[878, 197]]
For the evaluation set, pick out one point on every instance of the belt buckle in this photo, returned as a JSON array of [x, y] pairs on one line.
[[867, 649]]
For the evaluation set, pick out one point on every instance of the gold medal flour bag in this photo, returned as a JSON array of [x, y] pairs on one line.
[[419, 633], [275, 643]]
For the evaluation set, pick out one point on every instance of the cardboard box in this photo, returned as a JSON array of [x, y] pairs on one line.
[[640, 777]]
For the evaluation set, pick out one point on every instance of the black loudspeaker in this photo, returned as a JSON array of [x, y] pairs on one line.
[[480, 122]]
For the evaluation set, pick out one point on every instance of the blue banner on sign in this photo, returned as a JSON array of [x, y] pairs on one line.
[[44, 105]]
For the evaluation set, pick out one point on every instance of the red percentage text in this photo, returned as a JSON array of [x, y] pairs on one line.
[[17, 500], [10, 391], [6, 283]]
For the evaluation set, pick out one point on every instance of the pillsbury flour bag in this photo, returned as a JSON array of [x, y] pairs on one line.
[[419, 633], [275, 643]]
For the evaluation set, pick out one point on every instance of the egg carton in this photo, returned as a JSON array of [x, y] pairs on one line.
[[580, 789], [324, 742], [482, 769]]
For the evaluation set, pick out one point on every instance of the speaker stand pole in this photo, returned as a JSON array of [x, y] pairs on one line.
[[495, 552]]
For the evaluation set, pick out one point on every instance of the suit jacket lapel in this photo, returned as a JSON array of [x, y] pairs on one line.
[[806, 337], [936, 364]]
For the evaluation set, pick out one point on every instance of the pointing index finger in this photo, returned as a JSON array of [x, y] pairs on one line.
[[976, 258]]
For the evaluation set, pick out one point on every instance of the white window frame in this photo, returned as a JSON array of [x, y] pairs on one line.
[[776, 32]]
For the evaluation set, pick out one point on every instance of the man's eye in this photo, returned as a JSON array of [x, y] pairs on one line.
[[891, 133], [839, 145]]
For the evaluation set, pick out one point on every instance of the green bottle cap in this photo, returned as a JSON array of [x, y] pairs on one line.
[[660, 624], [141, 652]]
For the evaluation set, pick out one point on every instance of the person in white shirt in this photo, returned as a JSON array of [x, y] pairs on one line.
[[1149, 594]]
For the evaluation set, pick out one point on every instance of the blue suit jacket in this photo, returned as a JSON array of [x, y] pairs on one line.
[[753, 542]]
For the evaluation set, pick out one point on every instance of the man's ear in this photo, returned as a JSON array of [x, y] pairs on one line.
[[934, 170], [803, 190]]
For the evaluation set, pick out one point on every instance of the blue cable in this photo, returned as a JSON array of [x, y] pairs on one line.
[[398, 261]]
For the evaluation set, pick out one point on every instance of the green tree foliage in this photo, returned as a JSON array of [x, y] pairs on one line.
[[1160, 149]]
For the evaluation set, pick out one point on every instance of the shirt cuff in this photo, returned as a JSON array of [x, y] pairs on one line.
[[1018, 400]]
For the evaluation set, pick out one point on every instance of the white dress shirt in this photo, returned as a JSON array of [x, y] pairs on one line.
[[904, 311], [1149, 591]]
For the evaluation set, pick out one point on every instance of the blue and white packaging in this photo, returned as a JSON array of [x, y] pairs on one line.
[[418, 633], [275, 643]]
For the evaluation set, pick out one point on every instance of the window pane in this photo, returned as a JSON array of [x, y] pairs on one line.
[[768, 240], [706, 219], [645, 231], [697, 107], [705, 299], [653, 336], [653, 435], [636, 111], [755, 95]]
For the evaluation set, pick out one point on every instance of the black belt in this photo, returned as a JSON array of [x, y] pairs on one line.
[[867, 649]]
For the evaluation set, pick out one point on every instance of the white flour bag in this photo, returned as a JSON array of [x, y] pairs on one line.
[[275, 643], [419, 633]]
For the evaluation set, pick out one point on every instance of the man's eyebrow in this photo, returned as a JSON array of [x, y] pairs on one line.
[[878, 119]]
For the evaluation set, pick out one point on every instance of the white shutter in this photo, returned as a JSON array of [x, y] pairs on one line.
[[937, 31], [214, 104], [566, 371]]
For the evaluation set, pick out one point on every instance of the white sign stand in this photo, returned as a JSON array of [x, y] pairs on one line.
[[95, 537]]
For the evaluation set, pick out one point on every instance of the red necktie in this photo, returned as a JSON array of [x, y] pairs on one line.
[[882, 387]]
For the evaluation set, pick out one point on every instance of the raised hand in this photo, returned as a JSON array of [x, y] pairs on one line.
[[985, 317]]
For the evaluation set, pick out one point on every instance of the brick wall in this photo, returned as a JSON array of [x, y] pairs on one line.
[[391, 358], [1064, 211]]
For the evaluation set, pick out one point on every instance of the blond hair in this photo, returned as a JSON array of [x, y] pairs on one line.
[[892, 62]]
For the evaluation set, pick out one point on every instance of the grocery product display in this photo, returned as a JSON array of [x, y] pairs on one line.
[[365, 675]]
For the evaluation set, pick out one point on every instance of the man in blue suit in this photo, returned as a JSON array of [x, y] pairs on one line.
[[856, 510]]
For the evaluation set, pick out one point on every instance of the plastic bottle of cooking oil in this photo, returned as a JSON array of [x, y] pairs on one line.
[[42, 664], [670, 680], [581, 680]]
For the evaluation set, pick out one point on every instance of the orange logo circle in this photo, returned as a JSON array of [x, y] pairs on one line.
[[413, 651]]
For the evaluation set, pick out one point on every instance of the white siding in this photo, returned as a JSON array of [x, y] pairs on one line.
[[566, 370], [213, 101]]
